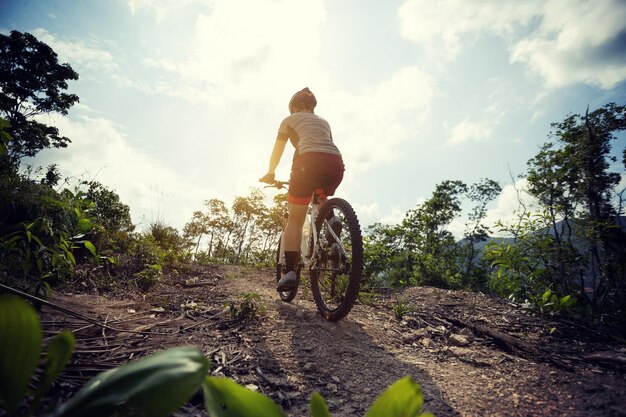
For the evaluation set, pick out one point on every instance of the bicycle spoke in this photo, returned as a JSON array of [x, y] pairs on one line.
[[334, 278]]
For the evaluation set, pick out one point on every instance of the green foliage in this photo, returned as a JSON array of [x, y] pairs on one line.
[[246, 233], [574, 243], [167, 244], [400, 308], [20, 345], [527, 269], [474, 271], [20, 349], [165, 236], [42, 232], [45, 234], [31, 84], [318, 406], [109, 212], [403, 399], [552, 303], [142, 258], [420, 250], [156, 386], [225, 398], [5, 138], [149, 276], [60, 350], [523, 269], [368, 297], [384, 256], [247, 308]]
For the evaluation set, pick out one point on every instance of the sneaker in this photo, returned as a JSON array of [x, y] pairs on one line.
[[288, 282]]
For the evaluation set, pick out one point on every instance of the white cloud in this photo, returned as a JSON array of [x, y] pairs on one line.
[[394, 215], [160, 8], [512, 200], [258, 59], [537, 114], [372, 213], [268, 51], [100, 151], [79, 53], [376, 121], [367, 213], [468, 130], [565, 42], [448, 22]]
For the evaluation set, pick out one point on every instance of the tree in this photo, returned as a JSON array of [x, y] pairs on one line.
[[109, 211], [480, 193], [386, 260], [431, 245], [247, 210], [214, 223], [574, 180], [420, 250], [195, 229], [272, 224], [5, 138], [31, 83]]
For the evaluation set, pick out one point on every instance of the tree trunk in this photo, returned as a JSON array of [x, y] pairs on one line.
[[243, 237], [211, 243], [197, 245]]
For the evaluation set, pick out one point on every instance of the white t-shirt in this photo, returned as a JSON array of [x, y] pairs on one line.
[[308, 133]]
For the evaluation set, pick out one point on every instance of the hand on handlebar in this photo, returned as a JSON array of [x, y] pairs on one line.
[[273, 182], [268, 178]]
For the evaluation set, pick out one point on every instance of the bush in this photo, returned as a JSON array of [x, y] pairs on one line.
[[42, 232], [149, 276], [534, 265]]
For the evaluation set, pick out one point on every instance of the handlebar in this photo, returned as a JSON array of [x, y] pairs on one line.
[[273, 182], [278, 184]]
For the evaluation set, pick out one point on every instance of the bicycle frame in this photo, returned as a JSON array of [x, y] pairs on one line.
[[314, 209], [308, 262]]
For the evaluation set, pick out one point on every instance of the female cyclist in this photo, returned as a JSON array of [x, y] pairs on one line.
[[315, 155]]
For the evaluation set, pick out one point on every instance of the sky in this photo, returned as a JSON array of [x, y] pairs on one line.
[[180, 100]]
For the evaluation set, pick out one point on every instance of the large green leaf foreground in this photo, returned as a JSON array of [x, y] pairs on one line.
[[156, 385]]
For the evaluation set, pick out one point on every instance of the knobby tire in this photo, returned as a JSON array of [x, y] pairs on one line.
[[351, 223]]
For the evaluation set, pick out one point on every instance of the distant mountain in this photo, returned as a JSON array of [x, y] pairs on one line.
[[577, 242]]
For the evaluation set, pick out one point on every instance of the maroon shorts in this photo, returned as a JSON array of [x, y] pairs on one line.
[[305, 171]]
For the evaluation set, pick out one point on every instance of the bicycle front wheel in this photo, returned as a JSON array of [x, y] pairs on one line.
[[338, 265]]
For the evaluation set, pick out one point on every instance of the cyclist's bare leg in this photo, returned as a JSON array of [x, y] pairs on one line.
[[292, 237], [293, 230]]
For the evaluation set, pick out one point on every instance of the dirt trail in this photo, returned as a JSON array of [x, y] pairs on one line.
[[291, 351]]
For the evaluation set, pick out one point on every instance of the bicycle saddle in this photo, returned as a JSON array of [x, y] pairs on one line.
[[323, 182]]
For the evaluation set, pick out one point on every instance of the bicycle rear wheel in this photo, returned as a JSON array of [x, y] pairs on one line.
[[286, 296], [338, 267]]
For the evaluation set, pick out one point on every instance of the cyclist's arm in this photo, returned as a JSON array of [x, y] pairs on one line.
[[277, 152]]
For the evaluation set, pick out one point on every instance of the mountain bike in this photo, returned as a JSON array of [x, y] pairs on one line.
[[331, 254]]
